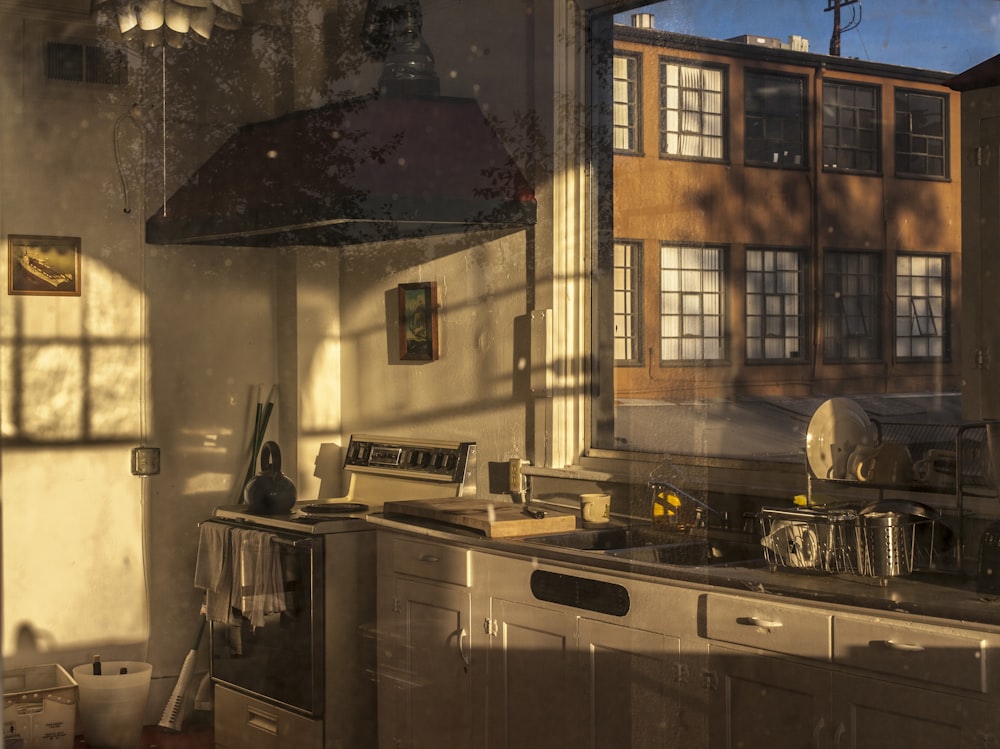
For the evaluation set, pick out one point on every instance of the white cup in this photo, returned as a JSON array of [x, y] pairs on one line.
[[595, 508]]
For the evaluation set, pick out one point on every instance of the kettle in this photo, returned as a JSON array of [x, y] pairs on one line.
[[270, 492]]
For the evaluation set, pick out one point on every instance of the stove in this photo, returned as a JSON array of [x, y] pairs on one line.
[[304, 677]]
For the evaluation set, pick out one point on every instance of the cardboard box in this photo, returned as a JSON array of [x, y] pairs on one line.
[[39, 707]]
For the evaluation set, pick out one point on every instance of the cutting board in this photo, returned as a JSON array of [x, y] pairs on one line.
[[496, 520]]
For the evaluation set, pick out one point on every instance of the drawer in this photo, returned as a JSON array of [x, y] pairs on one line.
[[769, 626], [432, 561], [243, 722], [922, 653]]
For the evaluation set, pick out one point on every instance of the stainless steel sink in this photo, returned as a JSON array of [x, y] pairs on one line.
[[662, 546]]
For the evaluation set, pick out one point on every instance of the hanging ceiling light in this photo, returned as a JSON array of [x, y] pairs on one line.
[[170, 22]]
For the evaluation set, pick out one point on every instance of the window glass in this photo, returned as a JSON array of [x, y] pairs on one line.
[[628, 303], [921, 304], [626, 118], [691, 303], [775, 324], [851, 327], [775, 134], [921, 132], [691, 111], [850, 127]]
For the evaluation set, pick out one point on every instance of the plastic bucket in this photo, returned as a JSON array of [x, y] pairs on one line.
[[112, 705]]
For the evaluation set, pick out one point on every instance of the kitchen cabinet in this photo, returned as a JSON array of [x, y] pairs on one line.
[[426, 685], [778, 680], [562, 674]]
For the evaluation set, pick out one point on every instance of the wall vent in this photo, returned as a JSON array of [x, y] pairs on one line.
[[83, 62]]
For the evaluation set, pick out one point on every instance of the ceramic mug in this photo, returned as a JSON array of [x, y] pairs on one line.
[[595, 508]]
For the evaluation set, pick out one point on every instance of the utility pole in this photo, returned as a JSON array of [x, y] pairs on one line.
[[835, 6]]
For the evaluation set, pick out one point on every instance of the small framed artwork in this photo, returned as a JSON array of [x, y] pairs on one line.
[[43, 265], [418, 324]]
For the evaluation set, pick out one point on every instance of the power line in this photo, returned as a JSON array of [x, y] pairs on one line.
[[835, 6]]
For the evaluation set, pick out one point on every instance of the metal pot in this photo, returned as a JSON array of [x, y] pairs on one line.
[[270, 492]]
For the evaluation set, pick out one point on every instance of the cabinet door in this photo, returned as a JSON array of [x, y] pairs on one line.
[[875, 714], [433, 683], [762, 702], [534, 699], [630, 677]]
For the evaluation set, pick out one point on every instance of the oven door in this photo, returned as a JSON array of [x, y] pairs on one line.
[[281, 660]]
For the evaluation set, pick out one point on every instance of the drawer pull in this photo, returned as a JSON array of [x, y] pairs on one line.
[[429, 558], [262, 721], [462, 637], [756, 621], [905, 647]]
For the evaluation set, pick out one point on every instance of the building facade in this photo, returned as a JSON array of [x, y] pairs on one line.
[[785, 223]]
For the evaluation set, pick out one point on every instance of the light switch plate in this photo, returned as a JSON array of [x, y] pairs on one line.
[[145, 461]]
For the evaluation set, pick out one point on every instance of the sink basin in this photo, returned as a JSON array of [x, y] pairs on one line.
[[700, 553], [661, 546]]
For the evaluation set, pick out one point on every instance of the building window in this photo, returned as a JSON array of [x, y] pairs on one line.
[[775, 126], [851, 282], [625, 87], [627, 302], [775, 305], [692, 323], [851, 127], [691, 111], [921, 306], [921, 134]]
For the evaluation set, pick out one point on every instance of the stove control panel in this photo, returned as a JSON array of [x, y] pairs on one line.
[[431, 460]]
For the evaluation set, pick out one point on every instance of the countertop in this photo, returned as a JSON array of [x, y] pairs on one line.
[[937, 595]]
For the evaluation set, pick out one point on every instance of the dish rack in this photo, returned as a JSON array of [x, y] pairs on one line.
[[842, 541]]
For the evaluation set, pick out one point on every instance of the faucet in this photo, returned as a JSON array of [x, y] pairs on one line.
[[677, 508]]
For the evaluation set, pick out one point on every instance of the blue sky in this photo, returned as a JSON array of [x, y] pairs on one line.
[[946, 35]]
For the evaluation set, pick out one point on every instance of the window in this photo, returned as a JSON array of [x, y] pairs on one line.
[[775, 127], [851, 127], [85, 63], [921, 134], [851, 282], [691, 303], [775, 305], [625, 87], [921, 306], [628, 302], [691, 111]]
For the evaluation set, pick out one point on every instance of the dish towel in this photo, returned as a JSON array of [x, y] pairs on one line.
[[258, 582], [213, 571]]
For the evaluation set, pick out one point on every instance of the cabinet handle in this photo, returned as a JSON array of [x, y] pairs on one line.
[[756, 621], [838, 735], [429, 558], [818, 731], [462, 637], [906, 647]]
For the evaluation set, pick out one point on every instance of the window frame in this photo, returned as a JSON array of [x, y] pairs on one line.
[[633, 105], [831, 297], [943, 321], [776, 119], [876, 118], [681, 315], [801, 295], [663, 117], [944, 138], [634, 316]]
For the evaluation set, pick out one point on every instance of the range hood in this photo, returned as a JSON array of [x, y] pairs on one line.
[[405, 162]]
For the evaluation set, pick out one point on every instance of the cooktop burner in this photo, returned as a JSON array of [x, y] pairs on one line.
[[334, 508]]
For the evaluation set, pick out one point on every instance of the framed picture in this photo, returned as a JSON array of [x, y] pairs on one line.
[[43, 265], [418, 333]]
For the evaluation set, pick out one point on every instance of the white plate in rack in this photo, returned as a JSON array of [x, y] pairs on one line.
[[837, 428]]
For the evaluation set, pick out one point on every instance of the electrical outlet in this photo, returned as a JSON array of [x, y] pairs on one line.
[[517, 475], [145, 461]]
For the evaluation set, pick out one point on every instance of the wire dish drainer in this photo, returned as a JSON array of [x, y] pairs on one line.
[[842, 541]]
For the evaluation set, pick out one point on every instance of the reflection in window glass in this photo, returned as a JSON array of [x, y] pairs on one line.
[[626, 115], [691, 114], [921, 134], [775, 305], [628, 302], [775, 130], [921, 301], [851, 282], [691, 303]]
